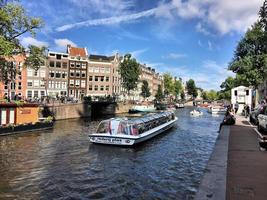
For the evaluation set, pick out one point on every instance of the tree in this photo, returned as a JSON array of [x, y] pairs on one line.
[[159, 95], [145, 90], [191, 88], [129, 70], [204, 95], [177, 87], [250, 57], [228, 84], [14, 23], [212, 95], [182, 95], [168, 84]]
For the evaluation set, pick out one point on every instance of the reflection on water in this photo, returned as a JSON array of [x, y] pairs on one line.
[[62, 164]]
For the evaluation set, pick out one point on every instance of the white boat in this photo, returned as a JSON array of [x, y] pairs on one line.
[[142, 108], [196, 113], [217, 110], [128, 132], [179, 105]]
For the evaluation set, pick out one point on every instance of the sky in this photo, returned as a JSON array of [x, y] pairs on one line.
[[186, 38]]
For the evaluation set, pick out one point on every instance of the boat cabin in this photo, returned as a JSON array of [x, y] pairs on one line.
[[124, 126]]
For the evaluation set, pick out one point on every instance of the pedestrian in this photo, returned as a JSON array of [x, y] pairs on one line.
[[247, 111], [236, 107], [229, 119]]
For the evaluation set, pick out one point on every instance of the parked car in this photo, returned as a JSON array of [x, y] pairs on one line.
[[253, 117], [262, 118]]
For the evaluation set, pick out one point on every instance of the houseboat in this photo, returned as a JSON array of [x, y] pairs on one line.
[[217, 110], [142, 108], [128, 132]]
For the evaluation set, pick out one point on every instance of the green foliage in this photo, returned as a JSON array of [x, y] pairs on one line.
[[177, 87], [145, 90], [129, 70], [159, 95], [49, 119], [204, 95], [168, 83], [14, 22], [229, 83], [250, 57], [182, 95], [210, 95], [36, 57], [226, 95], [191, 88]]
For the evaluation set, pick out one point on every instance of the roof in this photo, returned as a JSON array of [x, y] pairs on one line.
[[76, 51], [101, 58]]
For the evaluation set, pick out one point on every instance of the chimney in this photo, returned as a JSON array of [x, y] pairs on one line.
[[68, 47]]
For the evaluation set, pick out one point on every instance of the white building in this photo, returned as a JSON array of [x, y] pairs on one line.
[[241, 95]]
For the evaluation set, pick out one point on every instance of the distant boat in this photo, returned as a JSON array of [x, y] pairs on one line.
[[179, 105], [217, 110], [128, 132], [196, 113], [142, 108]]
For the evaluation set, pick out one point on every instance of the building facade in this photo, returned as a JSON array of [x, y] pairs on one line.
[[16, 82], [77, 79], [57, 74], [103, 76]]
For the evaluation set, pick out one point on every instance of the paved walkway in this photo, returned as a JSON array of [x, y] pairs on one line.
[[247, 165]]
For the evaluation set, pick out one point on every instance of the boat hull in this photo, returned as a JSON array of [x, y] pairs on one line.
[[130, 140]]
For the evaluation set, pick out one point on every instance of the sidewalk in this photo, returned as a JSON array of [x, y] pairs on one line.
[[246, 165], [237, 169]]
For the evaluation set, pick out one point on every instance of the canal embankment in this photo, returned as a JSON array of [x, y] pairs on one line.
[[237, 166]]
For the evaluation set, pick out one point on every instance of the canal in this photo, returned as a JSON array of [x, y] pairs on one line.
[[62, 164]]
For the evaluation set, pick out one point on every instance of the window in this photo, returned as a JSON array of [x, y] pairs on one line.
[[72, 83], [13, 86], [58, 64], [78, 65], [42, 93], [107, 78], [83, 74], [42, 83], [72, 64], [83, 83], [90, 78], [102, 70], [102, 78], [71, 92], [29, 72], [52, 54], [19, 87], [107, 87], [65, 56], [36, 83], [78, 73], [35, 94], [77, 83], [29, 94], [102, 87], [83, 65], [71, 73], [52, 64], [96, 78], [96, 87], [96, 69], [58, 56], [42, 73], [57, 74], [107, 70], [51, 74], [64, 85], [29, 83], [64, 65], [91, 69], [35, 73], [64, 74], [90, 87]]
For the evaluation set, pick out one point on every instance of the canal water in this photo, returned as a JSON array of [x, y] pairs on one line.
[[62, 164]]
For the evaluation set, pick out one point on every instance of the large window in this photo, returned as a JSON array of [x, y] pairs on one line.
[[29, 94], [96, 87], [51, 74], [29, 83], [35, 93], [107, 87], [35, 73], [83, 83], [78, 73], [29, 72], [64, 74], [52, 64], [36, 83], [71, 82], [19, 87], [58, 64], [96, 78], [107, 78], [102, 87], [72, 64], [64, 65], [83, 74], [78, 65], [83, 65], [42, 93], [90, 87], [90, 78], [77, 83], [107, 70], [102, 78], [71, 73], [57, 74]]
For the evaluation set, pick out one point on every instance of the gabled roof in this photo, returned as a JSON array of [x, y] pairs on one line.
[[101, 58], [76, 51]]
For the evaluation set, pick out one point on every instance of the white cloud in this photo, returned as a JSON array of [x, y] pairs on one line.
[[109, 20], [138, 52], [26, 41], [174, 56], [62, 43]]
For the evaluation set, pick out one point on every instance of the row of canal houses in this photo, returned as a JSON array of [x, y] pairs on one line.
[[76, 74]]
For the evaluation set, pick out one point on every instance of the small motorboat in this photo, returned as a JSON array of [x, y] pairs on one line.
[[217, 110], [142, 108], [128, 132], [196, 113]]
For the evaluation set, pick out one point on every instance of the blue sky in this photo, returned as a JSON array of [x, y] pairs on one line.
[[187, 38]]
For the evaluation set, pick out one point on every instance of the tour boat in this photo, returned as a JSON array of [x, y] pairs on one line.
[[217, 110], [128, 132], [196, 113], [142, 108]]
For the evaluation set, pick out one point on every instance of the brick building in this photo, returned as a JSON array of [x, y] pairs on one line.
[[77, 71]]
